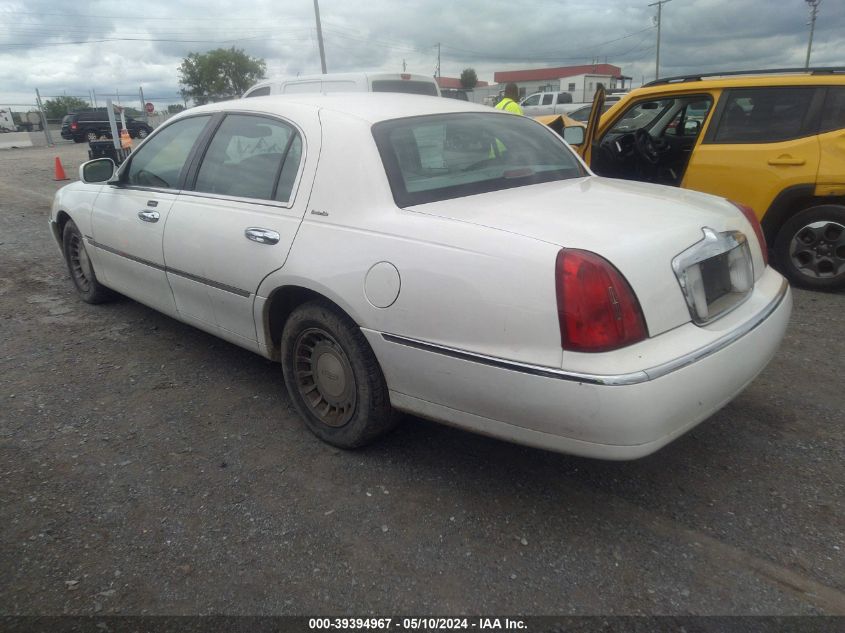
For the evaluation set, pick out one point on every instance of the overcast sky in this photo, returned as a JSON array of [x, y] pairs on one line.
[[75, 47]]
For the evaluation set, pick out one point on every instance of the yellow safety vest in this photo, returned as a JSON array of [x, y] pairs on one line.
[[509, 105]]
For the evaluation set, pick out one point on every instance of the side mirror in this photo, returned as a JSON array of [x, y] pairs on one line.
[[692, 128], [574, 134], [97, 170]]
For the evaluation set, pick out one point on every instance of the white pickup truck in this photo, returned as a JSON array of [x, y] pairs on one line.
[[541, 103]]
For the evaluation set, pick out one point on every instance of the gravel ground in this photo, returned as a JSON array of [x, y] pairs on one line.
[[149, 468]]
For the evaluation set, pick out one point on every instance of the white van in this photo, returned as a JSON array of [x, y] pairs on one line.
[[347, 82]]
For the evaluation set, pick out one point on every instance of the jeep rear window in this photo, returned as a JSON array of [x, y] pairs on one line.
[[765, 115], [407, 86], [446, 156], [833, 114]]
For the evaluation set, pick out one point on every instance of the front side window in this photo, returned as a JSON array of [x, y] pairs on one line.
[[246, 159], [532, 100], [440, 157], [765, 115], [642, 115], [159, 163]]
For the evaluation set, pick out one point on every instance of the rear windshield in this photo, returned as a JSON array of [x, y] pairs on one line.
[[445, 156], [404, 85], [67, 118]]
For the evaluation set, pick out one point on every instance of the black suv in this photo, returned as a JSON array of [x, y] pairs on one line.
[[89, 125]]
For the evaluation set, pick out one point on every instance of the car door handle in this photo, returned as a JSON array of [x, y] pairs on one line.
[[148, 216], [262, 236], [786, 160]]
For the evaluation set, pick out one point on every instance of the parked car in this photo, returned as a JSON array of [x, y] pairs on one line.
[[461, 264], [89, 125], [771, 140], [347, 82], [583, 113]]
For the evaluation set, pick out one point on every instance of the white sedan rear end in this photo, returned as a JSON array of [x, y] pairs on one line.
[[399, 252]]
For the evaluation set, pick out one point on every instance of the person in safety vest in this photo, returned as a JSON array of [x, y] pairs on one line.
[[509, 104]]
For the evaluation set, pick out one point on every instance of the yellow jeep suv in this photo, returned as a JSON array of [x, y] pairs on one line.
[[773, 141]]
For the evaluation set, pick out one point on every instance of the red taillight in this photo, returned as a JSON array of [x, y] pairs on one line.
[[749, 214], [73, 125], [596, 307], [405, 76]]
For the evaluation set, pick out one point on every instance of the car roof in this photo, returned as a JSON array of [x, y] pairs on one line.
[[370, 107]]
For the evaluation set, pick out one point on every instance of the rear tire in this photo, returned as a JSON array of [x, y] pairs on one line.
[[80, 268], [333, 377], [810, 248]]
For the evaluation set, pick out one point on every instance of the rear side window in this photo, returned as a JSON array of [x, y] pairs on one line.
[[259, 92], [440, 157], [404, 85], [765, 115], [833, 115], [159, 163], [246, 158]]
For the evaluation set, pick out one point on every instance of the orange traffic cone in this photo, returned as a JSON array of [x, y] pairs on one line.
[[60, 171], [125, 139]]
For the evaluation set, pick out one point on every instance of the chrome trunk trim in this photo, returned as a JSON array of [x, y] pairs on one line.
[[630, 378]]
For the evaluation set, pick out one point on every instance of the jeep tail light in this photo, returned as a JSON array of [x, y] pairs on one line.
[[74, 125], [596, 307], [749, 214]]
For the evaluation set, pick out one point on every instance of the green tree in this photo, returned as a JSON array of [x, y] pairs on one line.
[[468, 78], [57, 107], [219, 74], [174, 108]]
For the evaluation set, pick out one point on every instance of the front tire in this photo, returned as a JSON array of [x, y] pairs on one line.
[[333, 377], [80, 268], [810, 248]]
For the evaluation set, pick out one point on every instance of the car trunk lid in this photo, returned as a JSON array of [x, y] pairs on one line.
[[639, 228]]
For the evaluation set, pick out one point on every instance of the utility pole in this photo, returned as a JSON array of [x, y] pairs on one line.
[[438, 60], [659, 4], [814, 11], [320, 37], [403, 65]]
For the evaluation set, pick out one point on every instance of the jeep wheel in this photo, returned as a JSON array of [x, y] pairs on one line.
[[142, 133], [810, 248]]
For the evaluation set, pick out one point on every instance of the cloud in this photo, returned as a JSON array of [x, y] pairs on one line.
[[58, 49]]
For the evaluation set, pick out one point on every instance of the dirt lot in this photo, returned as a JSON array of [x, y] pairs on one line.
[[147, 467]]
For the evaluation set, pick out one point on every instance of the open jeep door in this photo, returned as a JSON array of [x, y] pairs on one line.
[[586, 148]]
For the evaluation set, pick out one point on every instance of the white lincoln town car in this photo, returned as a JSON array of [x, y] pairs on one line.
[[408, 253]]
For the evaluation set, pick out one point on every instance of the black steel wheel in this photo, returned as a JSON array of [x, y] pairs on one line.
[[324, 377], [810, 248], [80, 267], [333, 377]]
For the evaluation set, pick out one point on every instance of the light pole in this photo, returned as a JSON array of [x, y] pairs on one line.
[[814, 10], [320, 37], [659, 4]]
